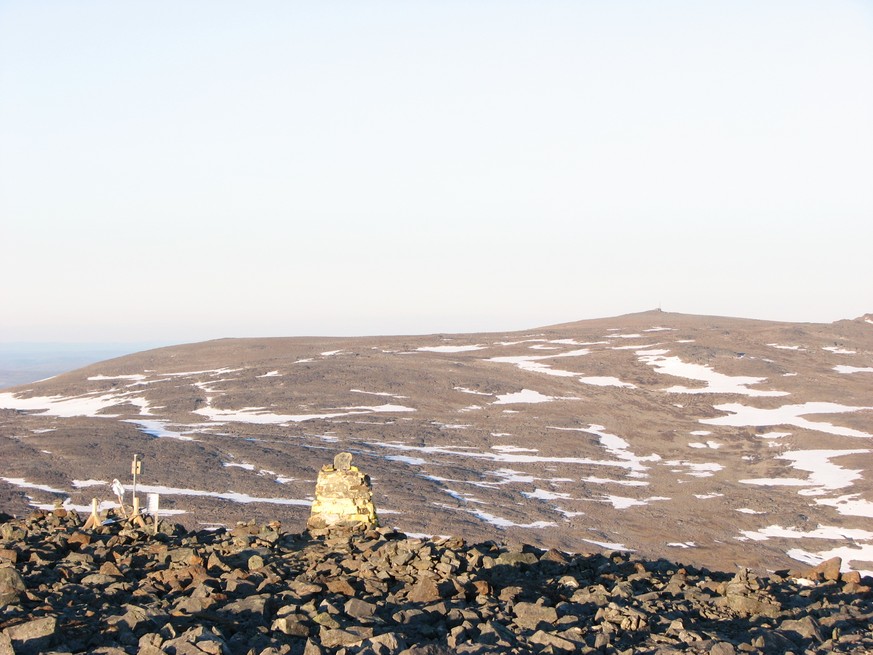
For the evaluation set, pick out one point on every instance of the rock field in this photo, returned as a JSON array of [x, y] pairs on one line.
[[257, 590]]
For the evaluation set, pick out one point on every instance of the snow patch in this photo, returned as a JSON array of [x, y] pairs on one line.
[[744, 416], [450, 349]]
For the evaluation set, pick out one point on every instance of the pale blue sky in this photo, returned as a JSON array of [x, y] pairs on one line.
[[191, 170]]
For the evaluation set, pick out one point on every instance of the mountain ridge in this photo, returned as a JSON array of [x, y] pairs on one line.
[[657, 432]]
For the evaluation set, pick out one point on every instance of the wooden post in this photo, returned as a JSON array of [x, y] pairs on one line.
[[135, 469], [135, 516], [93, 520]]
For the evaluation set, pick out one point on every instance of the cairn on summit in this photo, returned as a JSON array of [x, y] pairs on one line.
[[343, 498]]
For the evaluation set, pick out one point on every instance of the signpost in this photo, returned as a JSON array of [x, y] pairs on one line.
[[135, 469]]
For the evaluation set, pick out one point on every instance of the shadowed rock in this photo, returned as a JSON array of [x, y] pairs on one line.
[[376, 592]]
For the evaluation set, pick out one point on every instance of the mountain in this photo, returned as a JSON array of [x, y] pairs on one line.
[[714, 440]]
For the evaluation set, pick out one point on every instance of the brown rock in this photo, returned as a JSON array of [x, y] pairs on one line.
[[78, 539], [340, 586], [830, 569], [33, 636], [111, 569], [425, 591], [555, 556], [853, 577], [482, 588], [827, 570]]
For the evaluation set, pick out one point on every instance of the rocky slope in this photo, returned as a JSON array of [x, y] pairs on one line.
[[261, 591], [713, 440]]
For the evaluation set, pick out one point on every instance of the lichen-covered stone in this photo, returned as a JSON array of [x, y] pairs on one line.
[[343, 498]]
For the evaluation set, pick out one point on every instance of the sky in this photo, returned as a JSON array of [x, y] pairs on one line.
[[182, 171]]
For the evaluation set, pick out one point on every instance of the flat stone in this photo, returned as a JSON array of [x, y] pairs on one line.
[[5, 644], [529, 616], [294, 625], [251, 607], [326, 620], [331, 638], [34, 636], [542, 638], [342, 461], [514, 559], [752, 606], [359, 609], [340, 586], [78, 539], [97, 580], [312, 648], [389, 640], [425, 591], [799, 630], [722, 648]]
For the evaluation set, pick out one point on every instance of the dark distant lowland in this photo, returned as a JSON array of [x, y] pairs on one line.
[[22, 363]]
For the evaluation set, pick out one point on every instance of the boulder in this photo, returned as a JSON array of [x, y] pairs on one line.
[[34, 636], [531, 616], [11, 585]]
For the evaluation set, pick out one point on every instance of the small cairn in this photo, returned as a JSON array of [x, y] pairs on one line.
[[343, 498]]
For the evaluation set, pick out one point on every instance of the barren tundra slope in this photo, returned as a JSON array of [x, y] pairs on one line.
[[702, 439]]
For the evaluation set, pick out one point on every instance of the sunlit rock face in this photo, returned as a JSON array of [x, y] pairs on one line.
[[343, 497]]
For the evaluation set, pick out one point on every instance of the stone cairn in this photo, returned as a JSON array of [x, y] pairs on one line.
[[343, 498]]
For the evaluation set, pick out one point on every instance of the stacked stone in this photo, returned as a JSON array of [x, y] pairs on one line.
[[343, 498]]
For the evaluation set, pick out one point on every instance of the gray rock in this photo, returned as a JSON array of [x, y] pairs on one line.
[[425, 591], [722, 648], [559, 644], [292, 624], [389, 641], [753, 606], [530, 616], [494, 633], [5, 644], [11, 585], [800, 630], [34, 636], [514, 559], [312, 648], [331, 637], [359, 609]]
